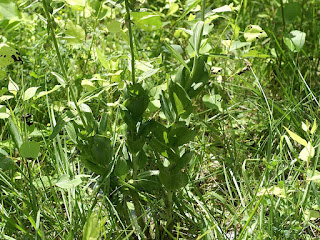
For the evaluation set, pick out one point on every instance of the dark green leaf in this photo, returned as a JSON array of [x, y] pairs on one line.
[[173, 180]]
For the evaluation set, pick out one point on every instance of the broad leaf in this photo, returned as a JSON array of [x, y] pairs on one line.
[[75, 32], [146, 21], [8, 55], [8, 10], [296, 41], [173, 180], [29, 93], [30, 149]]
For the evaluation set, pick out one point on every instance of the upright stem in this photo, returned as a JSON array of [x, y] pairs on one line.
[[62, 66], [169, 211], [203, 9], [133, 74]]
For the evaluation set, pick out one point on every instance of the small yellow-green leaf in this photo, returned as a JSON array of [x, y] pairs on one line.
[[296, 137]]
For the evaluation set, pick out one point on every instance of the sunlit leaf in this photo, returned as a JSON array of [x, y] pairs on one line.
[[253, 33], [66, 183], [296, 137], [114, 26], [296, 41], [146, 21], [44, 93], [91, 229], [307, 152], [76, 2], [311, 215], [8, 10], [75, 33], [4, 112], [8, 55], [29, 93], [314, 126]]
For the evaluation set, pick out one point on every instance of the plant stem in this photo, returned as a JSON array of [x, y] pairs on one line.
[[62, 66], [170, 211], [128, 18], [135, 195]]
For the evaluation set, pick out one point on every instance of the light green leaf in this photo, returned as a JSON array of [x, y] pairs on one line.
[[91, 229], [255, 53], [66, 183], [146, 21], [307, 152], [29, 93], [88, 85], [314, 126], [314, 178], [296, 41], [44, 93], [8, 55], [174, 7], [102, 58], [75, 32], [30, 149], [196, 37], [254, 32], [148, 74], [13, 87], [4, 112], [225, 8], [114, 26], [311, 215], [81, 3], [296, 137], [177, 55], [2, 74], [8, 10], [234, 45]]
